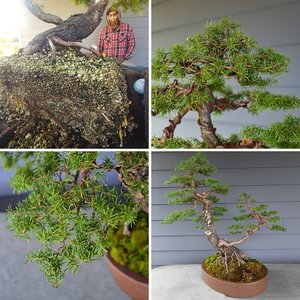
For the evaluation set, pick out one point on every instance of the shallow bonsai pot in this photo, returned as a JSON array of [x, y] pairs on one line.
[[235, 289], [134, 285]]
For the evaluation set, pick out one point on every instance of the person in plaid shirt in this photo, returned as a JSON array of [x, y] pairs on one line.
[[116, 39]]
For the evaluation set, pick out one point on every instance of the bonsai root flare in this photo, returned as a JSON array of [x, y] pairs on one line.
[[232, 254]]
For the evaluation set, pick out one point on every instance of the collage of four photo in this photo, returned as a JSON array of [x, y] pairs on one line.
[[149, 149]]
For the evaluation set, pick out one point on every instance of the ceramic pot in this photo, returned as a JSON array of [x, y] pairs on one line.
[[235, 289], [134, 285]]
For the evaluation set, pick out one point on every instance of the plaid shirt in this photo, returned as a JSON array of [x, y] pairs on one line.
[[118, 44]]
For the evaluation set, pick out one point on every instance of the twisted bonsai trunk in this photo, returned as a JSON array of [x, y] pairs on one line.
[[224, 247], [208, 131]]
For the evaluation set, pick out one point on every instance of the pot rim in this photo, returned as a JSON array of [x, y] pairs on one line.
[[127, 272]]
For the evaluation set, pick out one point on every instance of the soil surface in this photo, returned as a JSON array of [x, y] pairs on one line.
[[250, 271]]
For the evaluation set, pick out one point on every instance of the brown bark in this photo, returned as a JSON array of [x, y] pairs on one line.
[[223, 103], [36, 10], [59, 41], [169, 130], [74, 29], [225, 248], [221, 245], [207, 129], [135, 173]]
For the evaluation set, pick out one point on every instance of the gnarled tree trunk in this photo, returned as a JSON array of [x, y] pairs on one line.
[[221, 245], [208, 131], [73, 29]]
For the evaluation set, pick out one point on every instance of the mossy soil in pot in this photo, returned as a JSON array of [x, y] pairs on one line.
[[251, 271], [132, 251], [237, 281]]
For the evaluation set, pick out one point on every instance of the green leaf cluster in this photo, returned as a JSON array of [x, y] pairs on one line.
[[70, 209], [218, 212], [179, 215], [192, 143], [208, 60], [177, 143], [85, 3], [195, 172], [135, 5], [203, 71], [246, 215], [180, 196], [285, 134], [197, 163], [261, 100]]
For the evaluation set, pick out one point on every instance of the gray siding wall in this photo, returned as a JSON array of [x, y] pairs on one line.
[[274, 23], [8, 197], [271, 178]]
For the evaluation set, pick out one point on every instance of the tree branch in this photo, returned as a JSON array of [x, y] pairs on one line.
[[261, 222], [179, 89], [135, 172], [59, 41], [36, 10], [169, 130], [223, 103], [246, 236]]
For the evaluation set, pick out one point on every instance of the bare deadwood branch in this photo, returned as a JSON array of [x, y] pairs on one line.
[[59, 41], [36, 10]]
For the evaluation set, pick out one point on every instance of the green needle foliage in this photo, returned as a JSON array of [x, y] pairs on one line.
[[284, 134], [199, 75], [195, 172], [135, 5], [70, 209], [194, 177], [176, 143], [271, 216]]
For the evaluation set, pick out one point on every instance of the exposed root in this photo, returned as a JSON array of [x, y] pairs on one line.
[[126, 230], [233, 254]]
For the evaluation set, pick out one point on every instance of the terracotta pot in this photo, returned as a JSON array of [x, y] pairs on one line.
[[134, 285], [235, 289]]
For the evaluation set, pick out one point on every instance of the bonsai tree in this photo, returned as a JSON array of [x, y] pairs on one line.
[[198, 75], [198, 189], [70, 208], [57, 97]]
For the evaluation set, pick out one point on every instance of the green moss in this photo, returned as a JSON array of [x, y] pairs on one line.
[[251, 271], [132, 252]]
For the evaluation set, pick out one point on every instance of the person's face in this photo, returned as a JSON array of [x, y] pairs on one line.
[[113, 19]]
